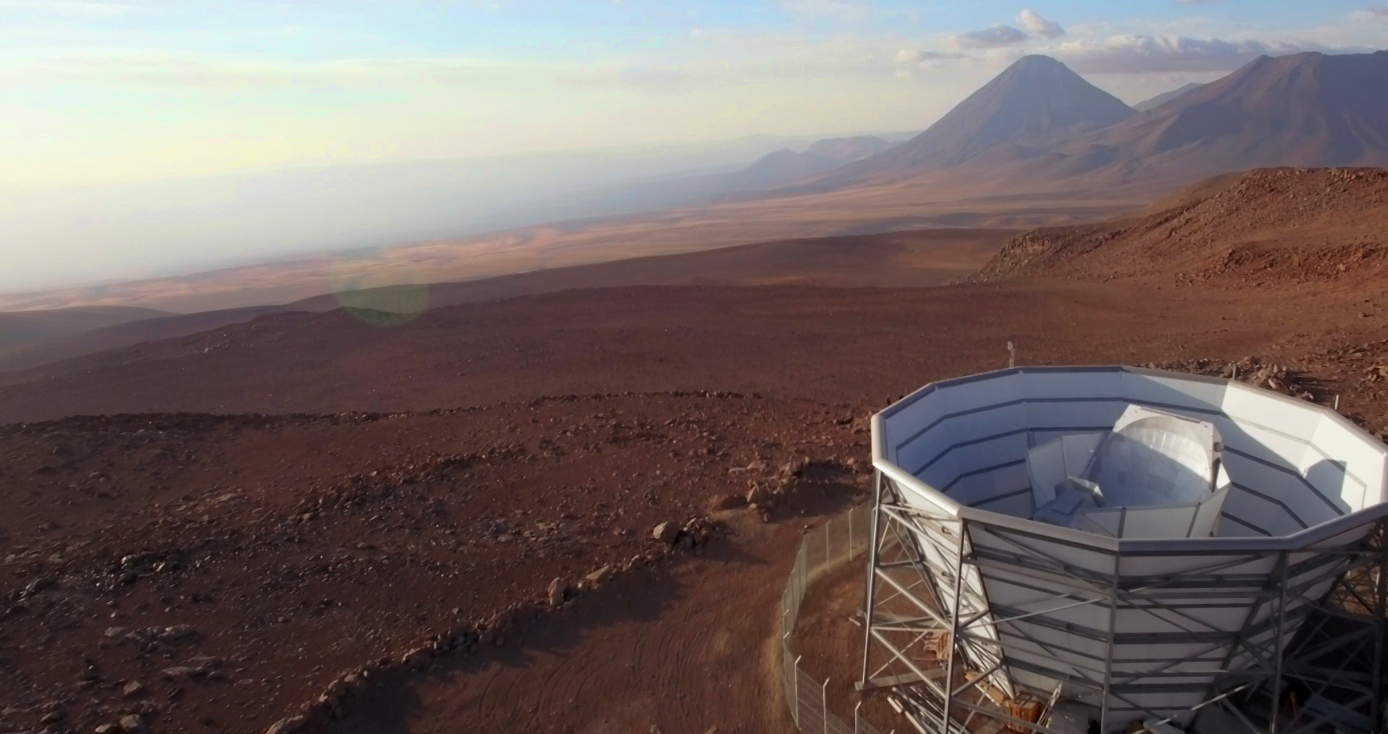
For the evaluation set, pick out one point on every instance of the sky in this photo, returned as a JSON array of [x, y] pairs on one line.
[[145, 138], [108, 91]]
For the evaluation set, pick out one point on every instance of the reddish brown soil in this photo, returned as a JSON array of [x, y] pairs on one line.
[[680, 651], [20, 328], [291, 562], [1275, 226], [828, 639], [297, 547], [911, 259], [53, 346], [684, 651], [837, 215], [835, 345], [815, 356]]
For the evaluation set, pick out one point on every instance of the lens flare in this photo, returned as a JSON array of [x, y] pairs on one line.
[[378, 290]]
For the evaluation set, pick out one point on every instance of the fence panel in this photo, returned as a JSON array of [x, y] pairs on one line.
[[809, 701], [840, 540]]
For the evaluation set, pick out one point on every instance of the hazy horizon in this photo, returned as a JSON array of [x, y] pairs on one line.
[[258, 216], [124, 120]]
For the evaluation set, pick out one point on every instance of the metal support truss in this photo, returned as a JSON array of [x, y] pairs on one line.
[[939, 645], [1333, 669]]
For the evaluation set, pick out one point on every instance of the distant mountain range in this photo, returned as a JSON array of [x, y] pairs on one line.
[[1038, 126], [1037, 133], [786, 166], [1034, 104], [765, 175], [1165, 97], [847, 150], [1306, 110]]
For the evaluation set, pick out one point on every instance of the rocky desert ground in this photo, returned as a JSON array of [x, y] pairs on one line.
[[574, 511]]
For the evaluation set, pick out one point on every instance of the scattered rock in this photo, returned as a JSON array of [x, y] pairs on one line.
[[133, 724], [41, 583], [666, 532], [418, 658], [758, 494], [726, 502], [286, 726], [1251, 370], [557, 590], [794, 468], [576, 532], [178, 632]]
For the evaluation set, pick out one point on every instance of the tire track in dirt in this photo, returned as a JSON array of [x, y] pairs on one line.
[[682, 649]]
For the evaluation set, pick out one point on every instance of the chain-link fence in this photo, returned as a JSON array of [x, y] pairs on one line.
[[838, 541]]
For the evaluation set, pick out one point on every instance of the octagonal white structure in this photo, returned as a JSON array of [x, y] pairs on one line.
[[1147, 625]]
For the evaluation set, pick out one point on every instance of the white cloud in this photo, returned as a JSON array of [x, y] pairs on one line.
[[1032, 22], [735, 59], [998, 35], [1138, 54], [157, 68], [70, 8], [912, 56], [1033, 26], [172, 69]]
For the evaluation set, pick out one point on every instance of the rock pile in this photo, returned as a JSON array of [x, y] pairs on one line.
[[495, 630], [1252, 370], [1268, 225]]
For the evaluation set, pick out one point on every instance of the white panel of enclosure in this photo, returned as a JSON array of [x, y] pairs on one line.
[[1154, 619], [1293, 464]]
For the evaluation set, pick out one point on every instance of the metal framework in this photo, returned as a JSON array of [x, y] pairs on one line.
[[925, 625], [980, 619]]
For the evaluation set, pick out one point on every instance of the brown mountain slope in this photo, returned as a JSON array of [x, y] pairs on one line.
[[1032, 105], [1264, 226], [163, 326], [21, 331], [1164, 97], [908, 259], [1306, 109], [849, 149], [18, 327], [914, 258], [786, 166], [777, 169]]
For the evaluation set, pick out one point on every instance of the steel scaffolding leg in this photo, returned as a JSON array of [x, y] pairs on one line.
[[872, 560]]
